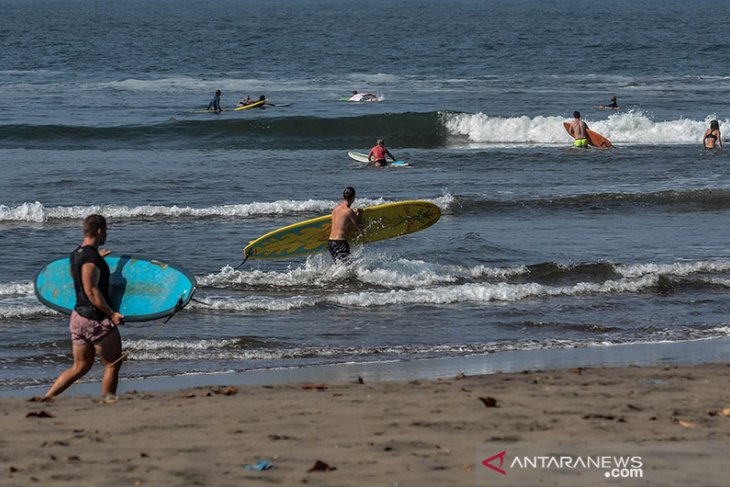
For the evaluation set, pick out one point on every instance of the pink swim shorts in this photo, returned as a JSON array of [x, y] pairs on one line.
[[83, 330]]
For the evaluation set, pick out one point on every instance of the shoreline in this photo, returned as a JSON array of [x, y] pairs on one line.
[[642, 354]]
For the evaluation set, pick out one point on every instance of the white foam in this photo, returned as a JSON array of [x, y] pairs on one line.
[[36, 212], [371, 269], [23, 311], [630, 127], [440, 295], [675, 269], [16, 288]]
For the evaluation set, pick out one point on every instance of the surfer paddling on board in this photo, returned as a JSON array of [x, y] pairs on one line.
[[215, 103], [344, 219], [577, 128], [611, 106], [378, 153], [93, 323]]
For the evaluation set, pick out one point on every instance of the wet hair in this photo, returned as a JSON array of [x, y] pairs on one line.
[[714, 125], [380, 141], [576, 114], [92, 225], [349, 193], [218, 92], [262, 98], [613, 98]]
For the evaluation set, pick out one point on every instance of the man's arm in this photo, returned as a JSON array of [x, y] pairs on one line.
[[355, 219], [90, 281], [391, 155], [370, 155]]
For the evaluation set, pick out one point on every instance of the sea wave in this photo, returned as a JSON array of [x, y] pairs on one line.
[[36, 212], [632, 127]]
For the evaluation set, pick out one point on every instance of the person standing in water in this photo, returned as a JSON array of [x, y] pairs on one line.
[[93, 323], [577, 129], [712, 136], [377, 154], [344, 219], [215, 103]]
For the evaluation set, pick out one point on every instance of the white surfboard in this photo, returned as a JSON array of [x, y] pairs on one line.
[[360, 157]]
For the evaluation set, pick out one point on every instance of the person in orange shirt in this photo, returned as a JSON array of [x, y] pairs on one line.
[[378, 153]]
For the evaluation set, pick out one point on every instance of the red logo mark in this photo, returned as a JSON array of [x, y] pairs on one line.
[[487, 462]]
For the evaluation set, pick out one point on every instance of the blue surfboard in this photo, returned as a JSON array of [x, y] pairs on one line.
[[139, 288]]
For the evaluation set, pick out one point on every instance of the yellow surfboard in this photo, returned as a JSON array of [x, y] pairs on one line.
[[250, 105], [310, 236]]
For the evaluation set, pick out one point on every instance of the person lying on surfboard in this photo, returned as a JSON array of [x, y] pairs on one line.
[[578, 130], [243, 103], [611, 106], [377, 154], [362, 97], [344, 218]]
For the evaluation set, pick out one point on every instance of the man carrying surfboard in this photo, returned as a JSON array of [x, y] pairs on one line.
[[344, 218], [93, 323], [577, 128], [378, 153]]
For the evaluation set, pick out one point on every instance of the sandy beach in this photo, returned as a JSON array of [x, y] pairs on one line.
[[421, 432]]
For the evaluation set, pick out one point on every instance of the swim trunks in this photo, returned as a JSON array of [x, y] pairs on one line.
[[339, 249], [83, 330], [580, 143]]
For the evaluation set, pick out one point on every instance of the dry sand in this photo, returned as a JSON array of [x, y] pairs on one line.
[[419, 433]]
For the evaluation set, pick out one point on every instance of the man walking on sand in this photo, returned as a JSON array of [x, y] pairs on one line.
[[93, 323], [344, 219]]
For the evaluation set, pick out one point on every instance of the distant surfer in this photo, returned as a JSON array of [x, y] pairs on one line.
[[344, 218], [577, 128], [243, 102], [377, 154], [362, 97], [93, 323], [611, 106], [712, 136], [215, 103]]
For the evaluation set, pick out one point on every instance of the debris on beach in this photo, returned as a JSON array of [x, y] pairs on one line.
[[39, 414], [489, 401], [318, 387], [320, 466], [260, 466], [719, 412], [224, 390]]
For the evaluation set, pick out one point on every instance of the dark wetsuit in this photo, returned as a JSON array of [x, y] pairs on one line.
[[339, 249], [79, 257]]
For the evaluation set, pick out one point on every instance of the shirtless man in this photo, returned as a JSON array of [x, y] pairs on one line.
[[343, 219], [578, 130]]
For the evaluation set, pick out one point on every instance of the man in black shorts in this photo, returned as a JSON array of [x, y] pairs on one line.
[[344, 219]]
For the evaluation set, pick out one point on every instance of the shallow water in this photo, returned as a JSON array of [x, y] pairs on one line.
[[539, 246]]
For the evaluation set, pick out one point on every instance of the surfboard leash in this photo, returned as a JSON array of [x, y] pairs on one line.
[[178, 306]]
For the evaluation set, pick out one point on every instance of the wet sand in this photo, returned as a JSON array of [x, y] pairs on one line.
[[421, 432]]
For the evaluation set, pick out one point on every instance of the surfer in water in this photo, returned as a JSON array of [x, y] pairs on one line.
[[93, 323], [578, 130], [344, 218], [712, 136], [611, 106], [215, 103], [377, 154], [244, 101]]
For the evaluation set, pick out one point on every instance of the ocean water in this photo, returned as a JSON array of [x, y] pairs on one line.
[[540, 245]]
